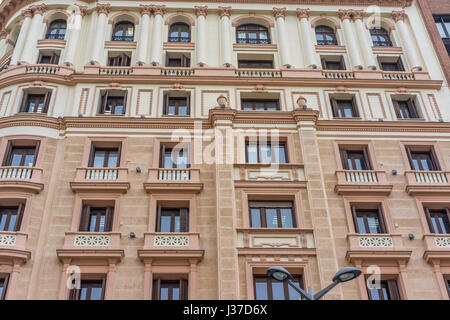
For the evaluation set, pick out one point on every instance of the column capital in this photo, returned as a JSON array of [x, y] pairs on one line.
[[224, 12], [104, 8], [146, 9], [27, 13], [279, 12], [399, 15], [302, 13], [3, 34], [39, 9], [83, 10], [358, 15], [159, 10], [201, 11], [345, 14]]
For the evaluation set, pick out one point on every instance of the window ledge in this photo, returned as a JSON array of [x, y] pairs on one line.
[[347, 118]]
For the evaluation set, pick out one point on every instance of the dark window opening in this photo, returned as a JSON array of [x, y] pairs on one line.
[[344, 108], [3, 286], [406, 109], [267, 214], [89, 290], [380, 37], [21, 156], [48, 58], [57, 30], [355, 159], [96, 219], [252, 34], [177, 61], [443, 26], [267, 288], [388, 290], [423, 160], [170, 289], [113, 103], [391, 66], [121, 60], [172, 220], [104, 157], [259, 105], [35, 103], [11, 218], [176, 106], [328, 64], [438, 220], [255, 64], [369, 221], [174, 158]]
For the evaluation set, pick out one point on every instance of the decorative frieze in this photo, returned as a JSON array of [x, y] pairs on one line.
[[201, 11], [224, 12], [375, 242], [8, 239], [95, 240], [171, 241]]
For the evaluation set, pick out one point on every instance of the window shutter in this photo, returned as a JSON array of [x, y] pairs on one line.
[[184, 220], [156, 289], [342, 63], [103, 102], [324, 63], [381, 218], [344, 159], [434, 159], [408, 152], [47, 97], [413, 108], [36, 151], [7, 157], [167, 59], [20, 212], [334, 107], [103, 287], [119, 154], [355, 220], [84, 222], [183, 289], [24, 102], [397, 109], [158, 219], [162, 151], [125, 101], [447, 210], [166, 103], [109, 219], [379, 62], [400, 64], [355, 107], [188, 103], [91, 156], [430, 224], [393, 290], [367, 159]]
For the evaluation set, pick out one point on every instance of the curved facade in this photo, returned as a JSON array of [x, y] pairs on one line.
[[177, 150]]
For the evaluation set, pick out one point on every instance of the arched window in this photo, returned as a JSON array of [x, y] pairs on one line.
[[252, 33], [57, 30], [326, 36], [123, 31], [380, 37], [179, 32]]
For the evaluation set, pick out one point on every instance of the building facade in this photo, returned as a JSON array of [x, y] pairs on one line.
[[177, 149]]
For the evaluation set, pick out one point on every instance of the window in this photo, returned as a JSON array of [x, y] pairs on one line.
[[267, 214], [266, 152], [36, 103], [119, 60], [177, 60], [326, 36], [21, 156], [113, 102], [96, 219], [334, 63], [267, 288], [369, 221], [11, 217], [391, 64], [48, 58], [174, 158], [255, 64], [89, 290], [123, 31], [355, 159], [57, 30], [105, 157], [388, 291], [252, 34], [259, 104], [438, 220], [172, 220], [405, 109], [179, 32], [170, 289], [380, 37], [423, 160], [176, 106], [3, 286], [447, 281], [344, 108], [443, 26]]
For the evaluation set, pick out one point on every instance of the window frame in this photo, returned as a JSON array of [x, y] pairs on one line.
[[54, 58], [399, 66], [272, 152], [45, 102], [269, 280], [106, 158], [19, 212], [74, 294], [10, 151], [254, 101], [162, 152], [183, 213], [250, 28], [58, 35], [379, 33], [345, 157], [4, 285], [179, 38], [104, 103], [183, 286], [432, 156], [324, 31], [380, 214], [336, 106], [391, 287], [428, 215], [263, 215], [326, 62], [185, 62], [411, 106], [166, 105], [122, 60], [86, 214], [124, 30]]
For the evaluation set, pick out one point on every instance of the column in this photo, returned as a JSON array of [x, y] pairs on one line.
[[225, 38], [407, 41], [34, 33], [146, 11], [309, 50], [201, 12], [102, 11], [27, 14], [159, 12], [110, 280], [3, 43], [13, 280], [362, 35], [74, 33], [280, 15], [352, 47]]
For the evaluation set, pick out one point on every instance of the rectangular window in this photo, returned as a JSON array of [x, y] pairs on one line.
[[388, 290], [96, 219], [355, 159], [104, 157], [170, 289], [423, 160], [396, 65], [267, 288], [113, 102], [11, 217], [177, 60], [438, 220], [174, 158], [21, 156], [120, 60], [255, 64], [328, 64], [35, 103], [443, 26], [369, 221], [172, 220], [48, 58], [89, 290], [405, 109], [267, 214], [269, 152], [259, 105], [344, 108], [3, 286], [176, 106]]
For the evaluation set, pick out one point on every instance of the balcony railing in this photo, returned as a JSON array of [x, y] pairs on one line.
[[427, 181], [386, 43], [178, 240], [258, 73], [186, 180], [398, 75], [43, 68], [116, 71], [327, 42], [363, 181], [177, 72], [31, 174], [179, 39], [122, 38], [252, 41], [101, 179], [368, 241], [13, 240], [55, 36], [101, 174], [336, 74], [92, 240]]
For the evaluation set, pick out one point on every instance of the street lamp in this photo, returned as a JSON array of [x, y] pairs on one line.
[[343, 275]]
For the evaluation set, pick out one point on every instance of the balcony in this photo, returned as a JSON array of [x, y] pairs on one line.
[[101, 179], [177, 72], [427, 182], [168, 180], [272, 175], [258, 73], [364, 181], [116, 71], [338, 74], [43, 68], [13, 246], [437, 246], [25, 178]]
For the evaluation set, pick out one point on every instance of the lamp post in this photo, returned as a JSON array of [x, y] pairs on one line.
[[343, 275]]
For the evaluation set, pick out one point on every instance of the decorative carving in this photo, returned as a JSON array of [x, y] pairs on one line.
[[345, 14], [222, 101], [7, 239], [341, 89], [224, 12], [161, 10], [259, 88], [375, 242], [358, 14], [399, 15], [39, 9], [3, 34], [146, 9], [104, 8], [402, 90], [201, 11], [303, 13], [301, 101], [442, 242], [83, 10], [27, 13], [279, 13], [86, 240], [177, 86], [171, 241]]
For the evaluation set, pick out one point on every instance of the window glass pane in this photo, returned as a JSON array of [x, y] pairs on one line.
[[12, 222], [348, 111], [168, 163], [119, 108], [374, 226], [361, 225], [425, 165], [165, 223], [278, 290], [171, 110], [16, 159], [182, 110], [164, 294], [266, 157], [1, 289], [177, 224], [102, 223], [286, 218], [385, 293], [256, 218], [358, 164], [29, 160], [280, 153], [294, 295], [374, 294], [99, 159], [83, 293], [415, 164], [271, 218], [252, 153], [175, 293], [92, 223], [3, 222], [96, 294], [113, 159], [261, 290]]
